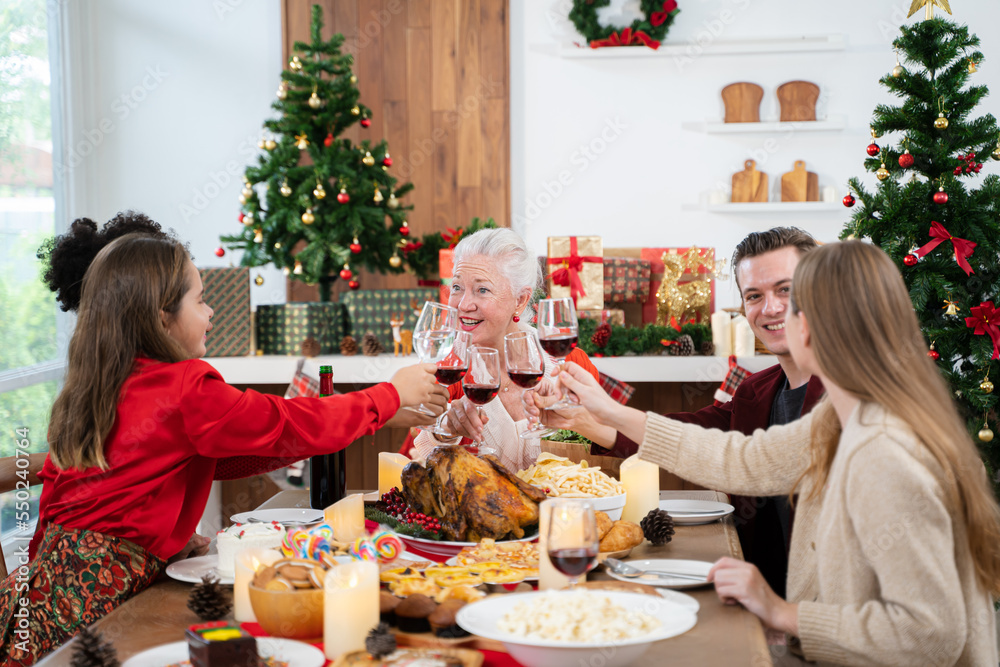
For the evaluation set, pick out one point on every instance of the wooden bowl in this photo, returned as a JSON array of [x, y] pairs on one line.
[[293, 614]]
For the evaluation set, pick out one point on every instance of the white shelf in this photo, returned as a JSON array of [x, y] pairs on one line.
[[829, 124], [768, 207], [360, 369], [719, 47]]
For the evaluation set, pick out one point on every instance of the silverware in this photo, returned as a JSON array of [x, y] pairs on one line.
[[698, 512], [624, 569]]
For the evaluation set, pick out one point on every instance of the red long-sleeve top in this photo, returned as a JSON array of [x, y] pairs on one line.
[[178, 427]]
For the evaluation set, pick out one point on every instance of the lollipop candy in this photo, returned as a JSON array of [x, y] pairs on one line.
[[387, 546], [363, 549]]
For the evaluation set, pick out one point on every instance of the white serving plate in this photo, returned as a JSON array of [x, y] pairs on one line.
[[290, 516], [696, 512], [191, 570], [448, 549], [695, 567], [482, 619], [287, 650]]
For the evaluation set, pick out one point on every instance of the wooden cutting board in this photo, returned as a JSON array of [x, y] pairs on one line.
[[799, 184], [742, 102], [749, 185], [798, 100]]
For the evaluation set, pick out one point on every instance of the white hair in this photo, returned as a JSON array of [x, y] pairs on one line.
[[516, 263]]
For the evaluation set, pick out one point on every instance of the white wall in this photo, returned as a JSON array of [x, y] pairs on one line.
[[632, 193]]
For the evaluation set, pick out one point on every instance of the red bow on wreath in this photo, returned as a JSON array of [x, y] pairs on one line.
[[986, 320], [626, 38], [657, 18], [963, 248], [452, 236], [569, 274]]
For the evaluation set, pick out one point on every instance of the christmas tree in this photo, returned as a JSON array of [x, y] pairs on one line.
[[314, 204], [935, 215]]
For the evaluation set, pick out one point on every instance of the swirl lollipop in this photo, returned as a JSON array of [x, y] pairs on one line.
[[363, 549], [387, 546]]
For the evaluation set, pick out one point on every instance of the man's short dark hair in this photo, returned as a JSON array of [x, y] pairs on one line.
[[777, 238]]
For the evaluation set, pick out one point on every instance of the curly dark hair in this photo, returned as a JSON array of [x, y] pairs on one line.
[[67, 257]]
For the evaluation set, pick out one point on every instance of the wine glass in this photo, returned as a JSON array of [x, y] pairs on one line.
[[526, 366], [433, 338], [450, 370], [572, 542], [482, 382], [557, 333]]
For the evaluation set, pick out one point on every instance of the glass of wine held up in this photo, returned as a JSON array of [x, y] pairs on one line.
[[572, 542], [482, 382], [434, 337], [526, 366], [450, 370], [557, 332]]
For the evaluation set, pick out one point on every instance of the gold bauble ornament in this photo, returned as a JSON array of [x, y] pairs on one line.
[[314, 101], [941, 122], [285, 189], [301, 141], [247, 191], [393, 202], [395, 261], [986, 387], [277, 245], [377, 197], [355, 111], [259, 280], [996, 153], [298, 268], [282, 91], [260, 144], [258, 235], [308, 218], [270, 144], [882, 173], [368, 160], [319, 192], [286, 270], [354, 79], [243, 200], [295, 64], [875, 135], [986, 434], [248, 219], [897, 71]]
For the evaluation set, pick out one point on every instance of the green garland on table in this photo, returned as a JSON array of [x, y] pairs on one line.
[[658, 17], [408, 529], [644, 340]]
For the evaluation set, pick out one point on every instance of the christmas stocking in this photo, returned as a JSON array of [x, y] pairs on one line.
[[734, 378]]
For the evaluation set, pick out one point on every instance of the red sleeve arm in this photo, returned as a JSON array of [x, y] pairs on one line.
[[580, 358]]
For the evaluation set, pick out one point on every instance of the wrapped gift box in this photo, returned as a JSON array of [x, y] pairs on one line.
[[446, 266], [575, 267], [281, 328], [613, 316], [626, 279], [373, 310], [227, 291]]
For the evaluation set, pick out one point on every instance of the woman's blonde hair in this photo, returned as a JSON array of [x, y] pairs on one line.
[[868, 342], [129, 282]]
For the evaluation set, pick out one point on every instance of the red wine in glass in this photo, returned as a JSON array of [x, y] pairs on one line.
[[573, 562], [449, 376], [559, 346], [480, 394], [525, 379]]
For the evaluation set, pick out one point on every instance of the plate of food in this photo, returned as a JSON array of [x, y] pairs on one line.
[[560, 477], [690, 573], [278, 652], [191, 570], [448, 549], [521, 556], [695, 512]]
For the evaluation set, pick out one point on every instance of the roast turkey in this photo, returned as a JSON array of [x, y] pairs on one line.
[[473, 497]]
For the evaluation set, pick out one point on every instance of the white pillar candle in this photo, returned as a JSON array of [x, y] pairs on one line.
[[390, 470], [347, 518], [744, 340], [350, 607], [549, 578], [247, 562], [721, 333], [641, 480]]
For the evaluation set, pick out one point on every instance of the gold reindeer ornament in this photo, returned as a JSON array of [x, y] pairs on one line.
[[689, 301]]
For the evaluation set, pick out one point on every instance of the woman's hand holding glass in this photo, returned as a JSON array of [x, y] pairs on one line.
[[526, 368], [482, 383], [434, 337], [557, 333]]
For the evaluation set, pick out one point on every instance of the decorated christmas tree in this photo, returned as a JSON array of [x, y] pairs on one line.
[[936, 215], [316, 205]]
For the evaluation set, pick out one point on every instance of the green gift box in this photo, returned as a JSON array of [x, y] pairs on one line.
[[283, 327], [373, 310], [227, 291]]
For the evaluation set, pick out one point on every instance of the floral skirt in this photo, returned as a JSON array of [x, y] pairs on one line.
[[77, 577]]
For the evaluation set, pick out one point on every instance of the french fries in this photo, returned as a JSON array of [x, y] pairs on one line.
[[562, 478]]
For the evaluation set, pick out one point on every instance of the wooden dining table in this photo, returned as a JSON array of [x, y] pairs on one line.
[[725, 635]]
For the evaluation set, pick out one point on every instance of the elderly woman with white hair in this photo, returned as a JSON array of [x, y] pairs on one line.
[[495, 277]]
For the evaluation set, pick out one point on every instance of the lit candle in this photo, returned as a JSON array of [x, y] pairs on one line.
[[390, 470], [641, 480], [347, 518], [247, 562], [743, 337], [721, 333], [350, 607], [549, 578]]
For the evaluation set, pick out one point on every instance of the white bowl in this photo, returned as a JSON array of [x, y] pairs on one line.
[[481, 618], [610, 505]]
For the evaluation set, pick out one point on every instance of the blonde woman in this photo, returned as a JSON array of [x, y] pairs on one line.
[[896, 549]]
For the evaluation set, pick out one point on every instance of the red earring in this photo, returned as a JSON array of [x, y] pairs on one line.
[[516, 318]]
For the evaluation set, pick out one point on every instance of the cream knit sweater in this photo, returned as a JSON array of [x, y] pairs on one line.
[[880, 568]]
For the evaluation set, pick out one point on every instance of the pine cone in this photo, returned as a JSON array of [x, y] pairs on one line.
[[208, 600], [310, 347], [370, 346], [685, 346], [707, 348], [658, 527], [92, 651], [348, 346], [602, 335], [380, 641]]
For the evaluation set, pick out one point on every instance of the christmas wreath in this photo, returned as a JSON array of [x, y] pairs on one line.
[[659, 15]]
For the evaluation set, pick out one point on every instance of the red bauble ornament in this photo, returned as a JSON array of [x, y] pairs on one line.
[[329, 140], [934, 354], [873, 149], [365, 122], [906, 160], [354, 284], [343, 197], [940, 197], [849, 201], [910, 260], [345, 274], [240, 217], [355, 248], [404, 230], [220, 251], [387, 161]]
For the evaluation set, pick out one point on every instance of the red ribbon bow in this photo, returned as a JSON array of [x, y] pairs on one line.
[[410, 247], [626, 38], [657, 18], [569, 275], [963, 248], [985, 320], [452, 236]]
